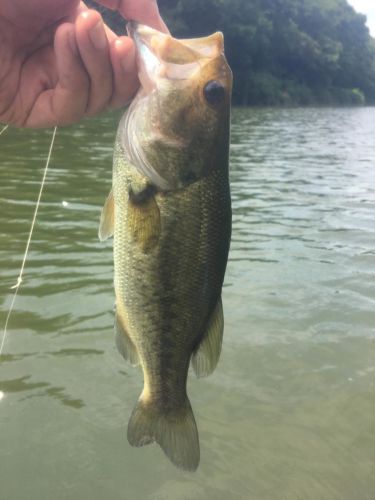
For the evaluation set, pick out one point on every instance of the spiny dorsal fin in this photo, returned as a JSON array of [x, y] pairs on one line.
[[124, 343], [107, 219], [206, 356]]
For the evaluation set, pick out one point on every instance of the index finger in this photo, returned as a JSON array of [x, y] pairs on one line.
[[142, 11]]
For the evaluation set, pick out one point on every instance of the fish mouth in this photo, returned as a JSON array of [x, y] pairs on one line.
[[133, 26], [154, 44], [149, 62], [172, 50], [160, 56]]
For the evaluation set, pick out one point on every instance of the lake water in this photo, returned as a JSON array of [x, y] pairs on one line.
[[289, 413]]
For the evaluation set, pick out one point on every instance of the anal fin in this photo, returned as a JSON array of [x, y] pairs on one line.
[[124, 344], [207, 354]]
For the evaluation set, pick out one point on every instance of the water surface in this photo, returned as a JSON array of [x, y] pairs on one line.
[[289, 412]]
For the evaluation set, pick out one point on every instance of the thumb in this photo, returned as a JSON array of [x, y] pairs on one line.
[[142, 11]]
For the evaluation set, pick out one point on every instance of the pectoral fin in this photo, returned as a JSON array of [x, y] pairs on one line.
[[124, 343], [206, 357], [144, 218], [107, 219]]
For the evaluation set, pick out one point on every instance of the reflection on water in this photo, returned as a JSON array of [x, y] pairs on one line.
[[288, 414]]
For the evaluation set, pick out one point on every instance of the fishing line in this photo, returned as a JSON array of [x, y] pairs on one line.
[[3, 129], [19, 279]]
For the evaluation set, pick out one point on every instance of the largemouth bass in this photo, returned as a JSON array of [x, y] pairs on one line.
[[170, 213]]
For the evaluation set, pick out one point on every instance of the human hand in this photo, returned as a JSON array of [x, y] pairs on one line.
[[59, 62], [143, 11]]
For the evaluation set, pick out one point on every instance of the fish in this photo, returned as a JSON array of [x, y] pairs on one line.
[[169, 212]]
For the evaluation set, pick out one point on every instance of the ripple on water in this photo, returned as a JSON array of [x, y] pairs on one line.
[[288, 413]]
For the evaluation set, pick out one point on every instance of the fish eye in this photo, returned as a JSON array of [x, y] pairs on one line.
[[214, 92]]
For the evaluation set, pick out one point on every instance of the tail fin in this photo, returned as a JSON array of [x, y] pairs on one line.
[[175, 431]]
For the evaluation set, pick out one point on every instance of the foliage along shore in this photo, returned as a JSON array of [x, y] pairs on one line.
[[283, 52]]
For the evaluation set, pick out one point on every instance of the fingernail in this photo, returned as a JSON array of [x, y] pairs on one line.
[[98, 37]]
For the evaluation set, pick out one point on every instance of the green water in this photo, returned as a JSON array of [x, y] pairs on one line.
[[289, 413]]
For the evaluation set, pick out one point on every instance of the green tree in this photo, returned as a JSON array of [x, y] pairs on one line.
[[283, 51]]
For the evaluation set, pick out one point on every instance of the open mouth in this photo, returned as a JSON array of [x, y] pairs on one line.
[[147, 61], [159, 55]]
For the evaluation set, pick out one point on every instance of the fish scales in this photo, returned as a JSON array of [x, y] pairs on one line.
[[171, 292]]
